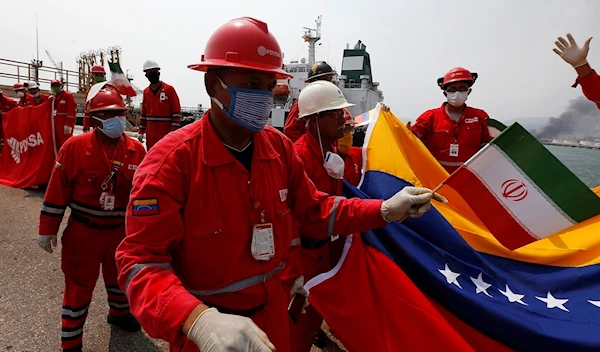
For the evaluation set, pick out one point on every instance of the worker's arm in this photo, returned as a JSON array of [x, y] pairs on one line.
[[154, 225], [590, 83], [423, 125], [175, 109], [71, 112], [294, 128], [143, 111], [576, 56], [59, 191]]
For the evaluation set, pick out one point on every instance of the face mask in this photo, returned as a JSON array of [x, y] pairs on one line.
[[20, 94], [249, 108], [36, 95], [56, 90], [98, 79], [153, 77], [457, 99], [113, 127], [345, 143], [333, 163]]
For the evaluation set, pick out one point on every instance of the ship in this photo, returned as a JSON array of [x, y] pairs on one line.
[[355, 79]]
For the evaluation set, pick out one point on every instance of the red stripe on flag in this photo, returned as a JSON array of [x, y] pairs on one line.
[[381, 309], [490, 211]]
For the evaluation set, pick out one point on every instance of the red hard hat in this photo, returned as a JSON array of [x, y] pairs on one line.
[[348, 117], [98, 69], [457, 74], [18, 86], [55, 81], [108, 98], [243, 43]]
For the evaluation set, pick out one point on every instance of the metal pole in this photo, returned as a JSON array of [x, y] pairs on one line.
[[37, 46]]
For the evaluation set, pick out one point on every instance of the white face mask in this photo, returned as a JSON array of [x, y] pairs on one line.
[[333, 163], [36, 95], [457, 99], [20, 94]]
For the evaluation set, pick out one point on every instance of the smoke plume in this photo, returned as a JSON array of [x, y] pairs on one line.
[[582, 118]]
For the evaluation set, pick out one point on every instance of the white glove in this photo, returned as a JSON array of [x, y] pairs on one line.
[[215, 332], [298, 288], [570, 52], [67, 129], [141, 137], [47, 242], [410, 201]]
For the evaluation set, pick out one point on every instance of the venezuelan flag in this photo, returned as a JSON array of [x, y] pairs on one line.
[[443, 282]]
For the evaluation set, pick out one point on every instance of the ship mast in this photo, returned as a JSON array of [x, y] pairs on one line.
[[312, 36]]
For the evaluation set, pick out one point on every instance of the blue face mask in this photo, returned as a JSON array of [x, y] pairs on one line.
[[249, 108], [113, 127]]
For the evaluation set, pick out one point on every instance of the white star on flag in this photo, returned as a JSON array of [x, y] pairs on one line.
[[480, 285], [596, 303], [552, 302], [513, 297], [450, 275]]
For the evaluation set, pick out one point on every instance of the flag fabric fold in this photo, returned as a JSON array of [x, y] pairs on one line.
[[28, 155], [444, 282]]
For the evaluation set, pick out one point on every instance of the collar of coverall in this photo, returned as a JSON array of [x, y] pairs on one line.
[[214, 153], [95, 147]]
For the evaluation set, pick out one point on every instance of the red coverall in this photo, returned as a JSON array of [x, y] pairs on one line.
[[189, 230], [6, 104], [316, 256], [41, 99], [27, 100], [294, 128], [64, 116], [353, 169], [92, 234], [590, 85], [438, 131], [161, 113]]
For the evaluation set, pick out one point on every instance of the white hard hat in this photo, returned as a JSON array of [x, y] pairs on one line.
[[321, 96], [149, 65], [33, 85]]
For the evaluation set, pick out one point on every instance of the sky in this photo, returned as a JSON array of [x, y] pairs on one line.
[[412, 43]]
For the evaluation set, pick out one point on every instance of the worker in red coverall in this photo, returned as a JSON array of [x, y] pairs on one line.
[[576, 56], [64, 113], [6, 104], [93, 176], [352, 155], [25, 99], [98, 76], [454, 131], [161, 112], [38, 97], [209, 223], [294, 127], [321, 106]]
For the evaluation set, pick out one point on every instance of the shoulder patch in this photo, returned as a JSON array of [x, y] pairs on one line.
[[145, 207], [57, 165]]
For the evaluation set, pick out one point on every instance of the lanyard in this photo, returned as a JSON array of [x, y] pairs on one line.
[[115, 169]]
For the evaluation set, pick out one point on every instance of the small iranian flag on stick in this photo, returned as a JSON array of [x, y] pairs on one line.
[[520, 191]]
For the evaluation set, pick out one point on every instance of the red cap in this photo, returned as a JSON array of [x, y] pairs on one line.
[[457, 74]]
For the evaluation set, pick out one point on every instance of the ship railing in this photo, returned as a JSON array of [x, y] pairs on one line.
[[22, 72]]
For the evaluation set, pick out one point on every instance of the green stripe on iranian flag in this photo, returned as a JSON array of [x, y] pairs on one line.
[[547, 176]]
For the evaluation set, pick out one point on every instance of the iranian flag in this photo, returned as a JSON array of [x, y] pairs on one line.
[[520, 191]]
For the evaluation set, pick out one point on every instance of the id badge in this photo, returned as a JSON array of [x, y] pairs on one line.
[[453, 149], [263, 245], [109, 202], [163, 96], [102, 197]]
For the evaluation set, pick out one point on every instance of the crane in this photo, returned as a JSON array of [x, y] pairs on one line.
[[59, 68]]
